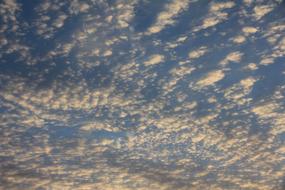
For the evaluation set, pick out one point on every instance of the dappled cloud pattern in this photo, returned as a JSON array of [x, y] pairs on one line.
[[139, 94]]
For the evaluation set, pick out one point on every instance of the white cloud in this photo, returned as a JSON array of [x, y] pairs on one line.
[[251, 66], [194, 130], [232, 57], [107, 53], [167, 16], [154, 59], [124, 15], [215, 15], [238, 39], [59, 22], [221, 6], [89, 127], [262, 10], [249, 30], [211, 78], [198, 52]]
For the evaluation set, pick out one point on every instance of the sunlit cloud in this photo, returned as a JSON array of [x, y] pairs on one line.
[[134, 95]]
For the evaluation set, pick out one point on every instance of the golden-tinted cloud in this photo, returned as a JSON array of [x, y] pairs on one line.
[[108, 106]]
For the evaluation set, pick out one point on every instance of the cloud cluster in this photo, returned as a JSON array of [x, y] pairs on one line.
[[88, 101], [168, 15]]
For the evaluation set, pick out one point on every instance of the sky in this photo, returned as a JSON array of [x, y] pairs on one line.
[[142, 95]]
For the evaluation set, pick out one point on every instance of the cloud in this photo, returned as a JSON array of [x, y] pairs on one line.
[[59, 22], [146, 127], [239, 39], [249, 30], [251, 66], [239, 92], [212, 21], [107, 53], [215, 15], [262, 10], [154, 59], [198, 52], [221, 6], [168, 15], [177, 42], [267, 61], [125, 13], [211, 78], [97, 126], [266, 110], [232, 57], [247, 83], [77, 7]]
